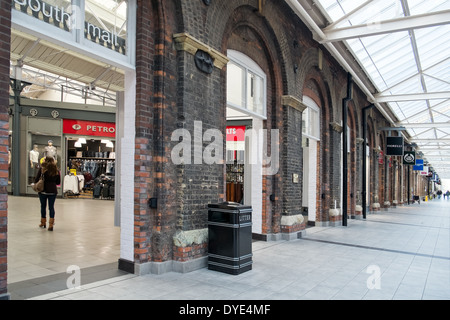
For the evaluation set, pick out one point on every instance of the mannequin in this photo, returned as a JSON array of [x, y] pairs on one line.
[[50, 150], [34, 161], [34, 156]]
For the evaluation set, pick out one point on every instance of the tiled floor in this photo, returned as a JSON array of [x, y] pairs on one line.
[[403, 253], [84, 235]]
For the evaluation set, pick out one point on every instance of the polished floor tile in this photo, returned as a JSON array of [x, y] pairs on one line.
[[402, 253]]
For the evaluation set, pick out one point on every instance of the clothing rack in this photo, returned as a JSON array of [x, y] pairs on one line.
[[104, 187], [73, 185], [95, 166]]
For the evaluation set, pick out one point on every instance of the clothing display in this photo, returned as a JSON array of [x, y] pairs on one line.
[[50, 150], [34, 156], [73, 184], [34, 163], [98, 167], [93, 175], [93, 164], [104, 187]]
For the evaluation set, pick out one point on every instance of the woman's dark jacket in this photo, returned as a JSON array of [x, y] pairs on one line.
[[50, 183]]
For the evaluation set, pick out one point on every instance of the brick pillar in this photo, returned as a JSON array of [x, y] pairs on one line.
[[292, 156], [376, 198], [335, 172], [5, 36]]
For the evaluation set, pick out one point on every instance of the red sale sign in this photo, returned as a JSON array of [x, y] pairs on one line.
[[89, 128], [236, 133]]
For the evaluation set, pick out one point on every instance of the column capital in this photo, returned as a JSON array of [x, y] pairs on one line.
[[336, 127], [185, 42], [293, 102]]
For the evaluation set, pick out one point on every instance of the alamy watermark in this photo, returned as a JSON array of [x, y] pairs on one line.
[[374, 280], [190, 147], [74, 280]]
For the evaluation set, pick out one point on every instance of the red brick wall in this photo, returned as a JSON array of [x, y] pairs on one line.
[[5, 35]]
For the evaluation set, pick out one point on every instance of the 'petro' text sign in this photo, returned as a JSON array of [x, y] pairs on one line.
[[89, 128]]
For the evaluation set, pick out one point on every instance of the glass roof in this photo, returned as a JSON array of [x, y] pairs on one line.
[[411, 63]]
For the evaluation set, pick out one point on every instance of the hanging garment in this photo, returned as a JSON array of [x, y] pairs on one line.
[[71, 184], [97, 191]]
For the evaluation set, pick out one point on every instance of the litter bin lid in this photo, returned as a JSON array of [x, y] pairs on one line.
[[229, 205]]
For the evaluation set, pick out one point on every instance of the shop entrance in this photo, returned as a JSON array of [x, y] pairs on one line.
[[91, 168], [73, 69], [310, 144], [246, 111]]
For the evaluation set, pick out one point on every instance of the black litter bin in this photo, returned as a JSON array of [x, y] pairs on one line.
[[230, 237]]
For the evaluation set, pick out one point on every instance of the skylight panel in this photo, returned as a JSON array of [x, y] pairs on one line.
[[433, 45], [411, 109], [377, 11], [425, 6], [337, 9]]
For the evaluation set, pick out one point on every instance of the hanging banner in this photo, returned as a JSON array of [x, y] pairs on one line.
[[409, 158], [394, 146], [424, 171], [419, 165]]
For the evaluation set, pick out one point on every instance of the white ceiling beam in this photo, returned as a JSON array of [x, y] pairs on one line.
[[412, 97], [387, 26], [424, 125], [347, 16], [435, 149], [431, 140], [443, 158]]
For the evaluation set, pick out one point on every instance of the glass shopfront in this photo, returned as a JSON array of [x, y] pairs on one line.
[[82, 144], [90, 154]]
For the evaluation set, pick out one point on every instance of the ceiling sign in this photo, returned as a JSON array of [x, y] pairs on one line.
[[419, 165], [394, 146], [409, 158]]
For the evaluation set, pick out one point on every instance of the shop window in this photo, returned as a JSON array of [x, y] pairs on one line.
[[235, 85], [246, 85], [311, 119], [42, 146]]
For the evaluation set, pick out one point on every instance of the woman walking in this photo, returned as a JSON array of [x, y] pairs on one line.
[[52, 178]]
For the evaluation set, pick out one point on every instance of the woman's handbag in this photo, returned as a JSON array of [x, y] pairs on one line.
[[39, 186]]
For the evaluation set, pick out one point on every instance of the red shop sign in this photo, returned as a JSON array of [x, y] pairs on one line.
[[89, 128], [236, 133]]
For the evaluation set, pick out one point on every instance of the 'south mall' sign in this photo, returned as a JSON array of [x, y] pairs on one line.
[[64, 17]]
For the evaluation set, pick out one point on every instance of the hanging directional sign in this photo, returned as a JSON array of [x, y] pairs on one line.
[[409, 158], [394, 146], [419, 165]]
